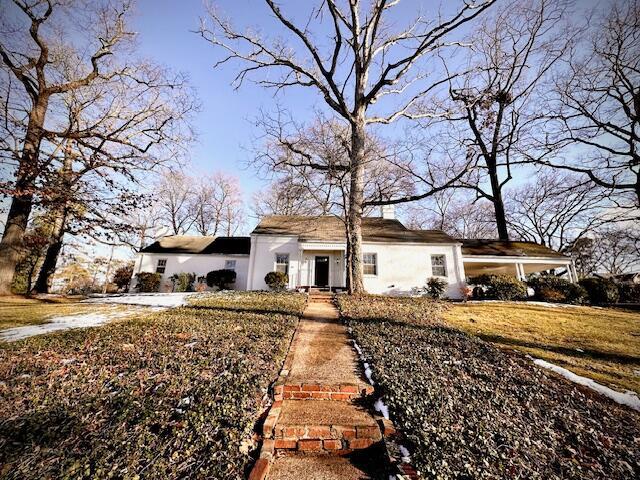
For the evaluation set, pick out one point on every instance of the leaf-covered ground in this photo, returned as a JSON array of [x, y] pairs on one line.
[[471, 410], [170, 395]]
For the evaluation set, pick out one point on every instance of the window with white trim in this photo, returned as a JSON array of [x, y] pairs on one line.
[[370, 263], [282, 262], [161, 265], [438, 266], [230, 265]]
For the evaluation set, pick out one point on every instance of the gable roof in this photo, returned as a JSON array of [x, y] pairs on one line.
[[329, 228], [200, 245], [507, 248]]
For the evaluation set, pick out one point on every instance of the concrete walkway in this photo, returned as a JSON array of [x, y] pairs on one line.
[[319, 426]]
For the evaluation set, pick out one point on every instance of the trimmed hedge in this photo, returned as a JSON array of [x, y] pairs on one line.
[[549, 288], [183, 282], [499, 287], [221, 278], [600, 290], [276, 280], [148, 282], [168, 395], [436, 287], [469, 410]]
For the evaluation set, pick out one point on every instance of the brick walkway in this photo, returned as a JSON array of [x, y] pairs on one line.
[[317, 427]]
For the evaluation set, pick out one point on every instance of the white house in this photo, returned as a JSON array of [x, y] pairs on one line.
[[311, 250]]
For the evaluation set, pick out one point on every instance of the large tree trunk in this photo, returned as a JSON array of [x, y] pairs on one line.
[[356, 199], [498, 202], [48, 268], [11, 245]]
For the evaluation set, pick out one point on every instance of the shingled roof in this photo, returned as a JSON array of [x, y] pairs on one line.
[[200, 245], [329, 228], [506, 248]]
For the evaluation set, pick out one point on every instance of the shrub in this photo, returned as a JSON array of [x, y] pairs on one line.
[[600, 290], [122, 276], [500, 287], [629, 292], [549, 288], [148, 282], [221, 278], [276, 280], [436, 287]]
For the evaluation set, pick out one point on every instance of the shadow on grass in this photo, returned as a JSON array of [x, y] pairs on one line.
[[568, 351], [242, 310]]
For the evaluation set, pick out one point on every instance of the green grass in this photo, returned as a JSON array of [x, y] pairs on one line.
[[16, 311], [467, 409], [602, 344], [168, 395]]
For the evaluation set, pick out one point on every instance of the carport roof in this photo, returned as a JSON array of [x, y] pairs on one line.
[[506, 248], [200, 245]]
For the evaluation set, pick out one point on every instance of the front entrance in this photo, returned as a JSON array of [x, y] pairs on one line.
[[322, 271]]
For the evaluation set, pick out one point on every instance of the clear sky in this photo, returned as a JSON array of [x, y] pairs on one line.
[[165, 32]]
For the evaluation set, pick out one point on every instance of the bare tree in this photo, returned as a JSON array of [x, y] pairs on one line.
[[498, 105], [599, 111], [216, 204], [460, 216], [364, 62], [556, 210], [285, 196], [615, 250], [31, 54], [174, 193]]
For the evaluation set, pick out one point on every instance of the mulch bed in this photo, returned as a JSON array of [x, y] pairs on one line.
[[171, 395], [470, 410]]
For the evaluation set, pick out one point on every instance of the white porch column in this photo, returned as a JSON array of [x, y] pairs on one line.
[[520, 272]]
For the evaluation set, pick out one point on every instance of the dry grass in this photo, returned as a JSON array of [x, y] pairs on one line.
[[603, 344], [16, 311]]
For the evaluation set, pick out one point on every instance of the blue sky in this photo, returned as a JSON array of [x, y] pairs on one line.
[[165, 34]]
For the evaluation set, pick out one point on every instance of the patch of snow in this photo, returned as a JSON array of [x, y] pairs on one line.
[[628, 398], [382, 408], [367, 369], [66, 322], [167, 300], [579, 350], [406, 456]]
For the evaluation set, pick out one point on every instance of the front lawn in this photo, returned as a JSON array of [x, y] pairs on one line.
[[169, 395], [602, 344], [471, 410]]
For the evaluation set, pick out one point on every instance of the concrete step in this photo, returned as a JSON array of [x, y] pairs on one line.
[[322, 426], [326, 467]]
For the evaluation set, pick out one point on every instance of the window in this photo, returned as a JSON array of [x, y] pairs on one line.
[[438, 266], [162, 264], [282, 262], [230, 265], [370, 263]]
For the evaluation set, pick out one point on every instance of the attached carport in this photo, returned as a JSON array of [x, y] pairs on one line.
[[519, 259]]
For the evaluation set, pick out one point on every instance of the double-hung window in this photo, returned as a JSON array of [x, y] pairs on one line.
[[162, 265], [230, 265], [370, 263], [438, 266], [282, 263]]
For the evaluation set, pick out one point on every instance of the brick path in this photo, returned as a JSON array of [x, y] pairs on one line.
[[317, 428]]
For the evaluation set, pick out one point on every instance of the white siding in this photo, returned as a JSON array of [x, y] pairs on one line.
[[198, 264], [404, 266], [263, 259]]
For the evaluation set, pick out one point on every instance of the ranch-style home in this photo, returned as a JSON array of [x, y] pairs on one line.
[[311, 250]]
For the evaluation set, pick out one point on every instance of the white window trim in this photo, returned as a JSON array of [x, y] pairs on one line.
[[446, 269], [375, 255], [235, 263], [164, 267], [288, 264]]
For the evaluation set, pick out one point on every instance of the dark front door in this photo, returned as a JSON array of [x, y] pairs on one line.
[[322, 271]]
